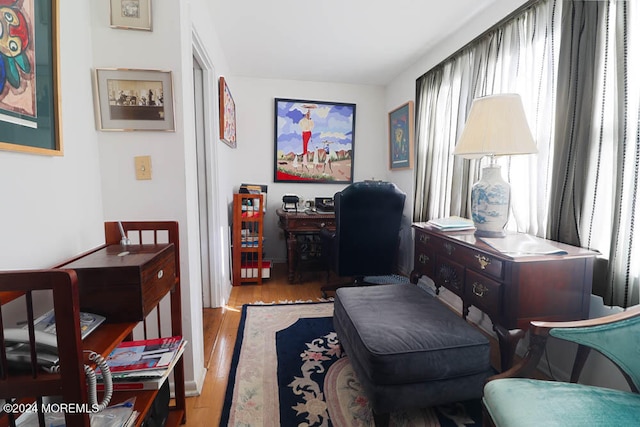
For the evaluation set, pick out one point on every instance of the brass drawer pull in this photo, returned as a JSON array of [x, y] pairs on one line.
[[483, 261], [423, 259], [424, 238], [160, 274], [449, 248], [479, 289]]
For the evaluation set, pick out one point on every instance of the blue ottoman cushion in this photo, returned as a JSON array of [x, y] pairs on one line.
[[407, 348]]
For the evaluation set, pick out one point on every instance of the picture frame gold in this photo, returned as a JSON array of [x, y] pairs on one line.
[[401, 137], [227, 114], [30, 108], [133, 100], [130, 14]]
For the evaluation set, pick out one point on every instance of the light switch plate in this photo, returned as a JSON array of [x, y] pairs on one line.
[[143, 167]]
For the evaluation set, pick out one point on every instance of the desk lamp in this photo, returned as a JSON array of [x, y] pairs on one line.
[[496, 126]]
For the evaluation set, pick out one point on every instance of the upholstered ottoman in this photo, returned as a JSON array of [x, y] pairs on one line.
[[407, 349]]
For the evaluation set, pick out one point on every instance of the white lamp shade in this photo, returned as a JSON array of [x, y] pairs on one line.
[[496, 126]]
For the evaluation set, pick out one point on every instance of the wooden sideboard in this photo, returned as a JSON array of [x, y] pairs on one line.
[[512, 291], [302, 232]]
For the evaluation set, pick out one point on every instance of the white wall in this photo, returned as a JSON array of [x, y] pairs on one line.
[[172, 192], [52, 206], [253, 160]]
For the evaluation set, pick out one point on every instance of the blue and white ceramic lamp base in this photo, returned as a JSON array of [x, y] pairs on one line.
[[490, 199]]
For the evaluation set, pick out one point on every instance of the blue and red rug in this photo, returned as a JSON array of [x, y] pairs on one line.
[[288, 370]]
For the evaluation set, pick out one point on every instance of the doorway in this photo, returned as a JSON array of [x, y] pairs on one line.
[[202, 169]]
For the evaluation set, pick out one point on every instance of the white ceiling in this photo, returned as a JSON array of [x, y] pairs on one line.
[[343, 41]]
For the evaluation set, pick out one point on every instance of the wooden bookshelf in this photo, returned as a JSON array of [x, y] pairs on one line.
[[247, 238]]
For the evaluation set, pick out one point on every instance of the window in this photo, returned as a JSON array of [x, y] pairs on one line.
[[576, 77]]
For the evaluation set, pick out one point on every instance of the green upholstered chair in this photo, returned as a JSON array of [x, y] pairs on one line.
[[510, 400]]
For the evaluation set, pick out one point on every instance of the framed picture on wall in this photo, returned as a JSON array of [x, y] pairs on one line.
[[130, 100], [314, 141], [401, 135], [131, 14], [227, 111], [30, 78]]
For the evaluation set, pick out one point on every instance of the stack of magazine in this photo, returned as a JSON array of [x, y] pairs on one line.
[[143, 364]]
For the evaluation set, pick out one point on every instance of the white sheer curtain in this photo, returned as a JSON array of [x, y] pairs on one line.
[[576, 66], [521, 57], [441, 120], [596, 199]]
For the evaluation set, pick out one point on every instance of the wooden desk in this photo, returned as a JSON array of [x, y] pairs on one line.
[[302, 232], [511, 291]]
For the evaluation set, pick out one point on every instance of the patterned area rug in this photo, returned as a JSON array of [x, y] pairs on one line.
[[288, 370]]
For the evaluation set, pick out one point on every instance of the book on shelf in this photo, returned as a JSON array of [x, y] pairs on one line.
[[143, 380], [256, 189], [142, 355], [452, 223], [249, 270]]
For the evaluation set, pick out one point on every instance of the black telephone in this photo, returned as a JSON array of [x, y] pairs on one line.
[[325, 204], [18, 351]]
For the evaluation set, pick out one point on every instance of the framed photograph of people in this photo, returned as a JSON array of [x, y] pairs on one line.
[[30, 78], [401, 134], [130, 100], [131, 14], [314, 141], [227, 110]]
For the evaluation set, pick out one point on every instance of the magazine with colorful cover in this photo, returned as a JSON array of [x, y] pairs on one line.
[[139, 380], [144, 354]]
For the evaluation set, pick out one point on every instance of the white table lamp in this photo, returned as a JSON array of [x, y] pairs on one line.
[[496, 126]]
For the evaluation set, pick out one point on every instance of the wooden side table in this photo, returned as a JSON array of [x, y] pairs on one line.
[[512, 291]]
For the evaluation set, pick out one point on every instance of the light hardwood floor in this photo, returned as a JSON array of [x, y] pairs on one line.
[[221, 327]]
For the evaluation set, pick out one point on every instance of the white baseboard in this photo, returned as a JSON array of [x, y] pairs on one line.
[[194, 388]]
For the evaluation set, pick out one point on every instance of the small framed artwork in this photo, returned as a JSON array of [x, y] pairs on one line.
[[30, 78], [314, 141], [131, 14], [227, 111], [401, 134], [130, 100]]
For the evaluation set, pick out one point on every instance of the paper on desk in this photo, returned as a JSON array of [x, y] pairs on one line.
[[517, 245]]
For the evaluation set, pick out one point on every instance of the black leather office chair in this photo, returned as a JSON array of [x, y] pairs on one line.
[[366, 239]]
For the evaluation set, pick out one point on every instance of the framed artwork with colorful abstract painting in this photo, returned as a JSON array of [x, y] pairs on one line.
[[401, 136], [314, 141], [29, 77], [227, 109]]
